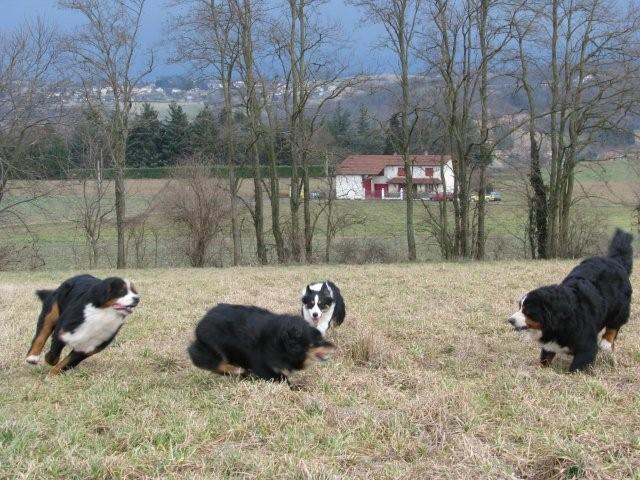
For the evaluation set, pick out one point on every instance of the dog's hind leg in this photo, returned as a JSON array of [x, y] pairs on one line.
[[46, 323], [208, 359], [546, 357], [607, 342]]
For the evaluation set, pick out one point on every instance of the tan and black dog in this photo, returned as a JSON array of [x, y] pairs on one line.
[[84, 313]]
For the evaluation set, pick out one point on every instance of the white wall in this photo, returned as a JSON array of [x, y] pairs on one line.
[[349, 186], [418, 172], [448, 176]]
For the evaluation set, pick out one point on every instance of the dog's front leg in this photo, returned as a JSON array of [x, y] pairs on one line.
[[583, 359]]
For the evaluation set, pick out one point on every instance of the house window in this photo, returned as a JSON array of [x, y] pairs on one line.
[[401, 172], [428, 172]]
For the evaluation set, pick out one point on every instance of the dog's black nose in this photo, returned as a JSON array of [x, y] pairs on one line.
[[315, 314], [135, 302], [512, 321]]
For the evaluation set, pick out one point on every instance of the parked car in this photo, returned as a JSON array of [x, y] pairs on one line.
[[441, 197], [490, 197]]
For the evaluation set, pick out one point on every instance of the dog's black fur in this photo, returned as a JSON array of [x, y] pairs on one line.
[[251, 340], [596, 295], [63, 314]]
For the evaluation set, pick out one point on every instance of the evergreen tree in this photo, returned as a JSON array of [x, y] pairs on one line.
[[177, 135], [339, 125], [48, 156], [392, 138], [144, 143], [368, 140], [204, 134]]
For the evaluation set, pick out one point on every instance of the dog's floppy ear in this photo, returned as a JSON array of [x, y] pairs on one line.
[[104, 291], [101, 293], [549, 306]]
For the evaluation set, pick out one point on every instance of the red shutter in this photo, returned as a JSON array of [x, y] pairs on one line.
[[401, 172], [428, 172]]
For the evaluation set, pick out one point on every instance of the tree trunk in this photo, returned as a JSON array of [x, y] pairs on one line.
[[480, 231], [120, 198], [485, 156], [308, 230], [274, 185], [295, 125], [253, 111], [404, 123]]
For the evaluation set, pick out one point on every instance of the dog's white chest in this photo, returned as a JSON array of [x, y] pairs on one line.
[[322, 323], [554, 347], [99, 326]]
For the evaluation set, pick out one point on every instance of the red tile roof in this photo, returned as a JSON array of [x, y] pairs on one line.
[[417, 181], [374, 164]]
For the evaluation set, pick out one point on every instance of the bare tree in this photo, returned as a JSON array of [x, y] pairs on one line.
[[205, 33], [337, 217], [104, 52], [195, 203], [247, 19], [586, 75], [460, 44], [271, 128], [400, 19], [525, 21], [91, 206], [305, 50], [28, 62]]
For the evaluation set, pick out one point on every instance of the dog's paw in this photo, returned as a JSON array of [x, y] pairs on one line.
[[605, 346], [51, 360], [33, 359]]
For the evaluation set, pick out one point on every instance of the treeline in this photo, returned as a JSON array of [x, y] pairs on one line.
[[154, 144]]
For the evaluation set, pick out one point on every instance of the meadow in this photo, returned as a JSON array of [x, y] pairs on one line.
[[429, 381], [606, 195]]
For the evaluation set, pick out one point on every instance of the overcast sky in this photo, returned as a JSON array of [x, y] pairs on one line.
[[363, 36]]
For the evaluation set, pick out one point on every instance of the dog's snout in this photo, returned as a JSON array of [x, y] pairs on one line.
[[315, 314], [512, 321], [135, 301]]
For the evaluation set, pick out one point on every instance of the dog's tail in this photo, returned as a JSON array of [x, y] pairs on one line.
[[44, 295], [620, 249], [202, 356]]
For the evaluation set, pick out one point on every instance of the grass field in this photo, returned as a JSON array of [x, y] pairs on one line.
[[606, 191], [428, 382]]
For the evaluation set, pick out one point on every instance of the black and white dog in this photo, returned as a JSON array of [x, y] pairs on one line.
[[323, 305], [84, 313], [595, 296], [247, 340]]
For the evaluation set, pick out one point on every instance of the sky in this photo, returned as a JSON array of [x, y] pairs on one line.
[[363, 35]]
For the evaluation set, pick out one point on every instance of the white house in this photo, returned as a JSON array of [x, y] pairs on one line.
[[375, 176]]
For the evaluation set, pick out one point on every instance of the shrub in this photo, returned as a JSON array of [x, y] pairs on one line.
[[196, 204]]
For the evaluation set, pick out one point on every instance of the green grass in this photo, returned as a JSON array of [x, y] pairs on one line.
[[428, 382], [608, 171], [604, 190]]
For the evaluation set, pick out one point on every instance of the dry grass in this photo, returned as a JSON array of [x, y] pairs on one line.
[[429, 382]]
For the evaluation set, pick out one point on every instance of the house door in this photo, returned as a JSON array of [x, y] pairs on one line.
[[378, 188], [366, 184]]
